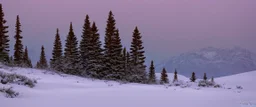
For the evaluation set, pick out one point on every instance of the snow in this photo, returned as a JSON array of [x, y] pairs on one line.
[[60, 90]]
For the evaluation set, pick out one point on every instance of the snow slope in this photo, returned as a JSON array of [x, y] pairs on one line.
[[55, 90]]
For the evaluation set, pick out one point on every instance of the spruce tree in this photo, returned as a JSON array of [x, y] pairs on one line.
[[117, 58], [164, 77], [205, 77], [26, 59], [94, 62], [137, 58], [4, 38], [193, 77], [128, 73], [152, 76], [11, 61], [71, 54], [85, 45], [112, 51], [175, 76], [57, 58], [18, 47], [42, 64], [212, 80], [125, 64]]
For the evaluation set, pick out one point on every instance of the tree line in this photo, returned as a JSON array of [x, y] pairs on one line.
[[86, 58]]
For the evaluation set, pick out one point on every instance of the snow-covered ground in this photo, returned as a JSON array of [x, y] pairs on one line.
[[55, 90]]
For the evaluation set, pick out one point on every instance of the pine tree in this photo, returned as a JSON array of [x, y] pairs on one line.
[[164, 77], [4, 38], [71, 54], [205, 77], [125, 64], [18, 47], [212, 80], [152, 76], [42, 64], [137, 58], [85, 44], [26, 59], [112, 51], [57, 58], [117, 58], [94, 62], [175, 76], [11, 61], [128, 73], [193, 77]]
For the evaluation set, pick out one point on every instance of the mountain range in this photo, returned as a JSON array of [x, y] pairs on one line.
[[215, 62]]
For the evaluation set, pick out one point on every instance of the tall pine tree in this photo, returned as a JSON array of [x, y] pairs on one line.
[[4, 38], [26, 59], [164, 77], [71, 54], [85, 44], [152, 76], [117, 58], [18, 47], [42, 63], [112, 51], [94, 67], [57, 58], [137, 58]]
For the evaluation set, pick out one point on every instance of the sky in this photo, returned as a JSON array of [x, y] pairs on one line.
[[168, 27]]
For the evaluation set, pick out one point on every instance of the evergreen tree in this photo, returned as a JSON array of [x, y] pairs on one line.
[[212, 80], [117, 58], [137, 58], [152, 76], [175, 76], [18, 47], [37, 65], [42, 64], [164, 77], [85, 45], [26, 59], [57, 58], [94, 62], [205, 77], [4, 38], [71, 54], [11, 61], [128, 73], [193, 77], [112, 51], [125, 59]]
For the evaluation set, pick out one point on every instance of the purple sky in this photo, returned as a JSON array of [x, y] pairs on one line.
[[168, 27]]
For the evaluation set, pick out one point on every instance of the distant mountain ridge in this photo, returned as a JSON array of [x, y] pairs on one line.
[[213, 61]]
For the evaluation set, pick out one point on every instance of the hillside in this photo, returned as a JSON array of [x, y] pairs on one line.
[[61, 90]]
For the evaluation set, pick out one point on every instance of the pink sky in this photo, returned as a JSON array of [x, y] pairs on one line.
[[168, 27]]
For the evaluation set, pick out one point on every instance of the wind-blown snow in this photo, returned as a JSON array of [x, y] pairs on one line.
[[60, 90]]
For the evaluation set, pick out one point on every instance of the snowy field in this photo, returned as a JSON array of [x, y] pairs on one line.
[[55, 90]]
